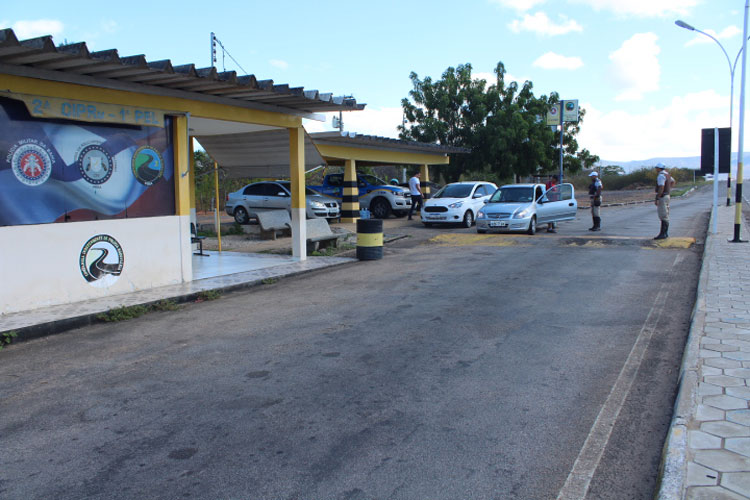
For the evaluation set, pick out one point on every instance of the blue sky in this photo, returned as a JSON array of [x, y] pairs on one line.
[[647, 85]]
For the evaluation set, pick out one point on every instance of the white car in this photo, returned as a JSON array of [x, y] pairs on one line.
[[521, 207], [457, 203]]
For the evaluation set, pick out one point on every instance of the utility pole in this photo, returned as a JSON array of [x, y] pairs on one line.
[[740, 153]]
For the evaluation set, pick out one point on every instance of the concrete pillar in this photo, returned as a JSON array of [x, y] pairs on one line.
[[350, 193], [425, 171], [299, 203]]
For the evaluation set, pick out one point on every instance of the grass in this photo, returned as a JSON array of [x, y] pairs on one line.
[[331, 251], [6, 338], [234, 229], [131, 312]]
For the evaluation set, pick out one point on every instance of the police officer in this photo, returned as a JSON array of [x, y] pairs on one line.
[[664, 183], [595, 194]]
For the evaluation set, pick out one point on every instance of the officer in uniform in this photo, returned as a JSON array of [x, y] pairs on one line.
[[595, 194], [664, 183]]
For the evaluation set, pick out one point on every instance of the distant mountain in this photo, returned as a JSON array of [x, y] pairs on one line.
[[692, 162]]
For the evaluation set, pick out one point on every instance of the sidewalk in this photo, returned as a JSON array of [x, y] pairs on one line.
[[707, 454]]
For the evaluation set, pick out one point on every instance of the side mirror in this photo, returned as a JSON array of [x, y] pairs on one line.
[[486, 201]]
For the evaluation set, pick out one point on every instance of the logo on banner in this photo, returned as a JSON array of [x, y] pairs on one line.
[[31, 162], [95, 164], [101, 260], [148, 165]]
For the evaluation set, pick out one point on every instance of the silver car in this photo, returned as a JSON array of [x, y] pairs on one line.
[[269, 195], [521, 207]]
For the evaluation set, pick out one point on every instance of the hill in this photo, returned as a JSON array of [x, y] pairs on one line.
[[691, 162]]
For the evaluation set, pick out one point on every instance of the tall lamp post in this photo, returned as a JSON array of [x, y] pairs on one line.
[[732, 67]]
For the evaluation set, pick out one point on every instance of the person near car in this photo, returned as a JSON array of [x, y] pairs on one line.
[[595, 194], [416, 194], [664, 183], [552, 197]]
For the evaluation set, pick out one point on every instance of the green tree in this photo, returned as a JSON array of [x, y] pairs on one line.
[[502, 124]]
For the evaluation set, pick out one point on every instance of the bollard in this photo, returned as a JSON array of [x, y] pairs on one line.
[[369, 239]]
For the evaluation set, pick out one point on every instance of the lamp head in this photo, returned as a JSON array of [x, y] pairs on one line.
[[683, 24]]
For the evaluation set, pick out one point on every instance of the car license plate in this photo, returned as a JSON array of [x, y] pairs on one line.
[[497, 223]]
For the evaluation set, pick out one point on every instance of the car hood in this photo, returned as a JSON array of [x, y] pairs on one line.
[[493, 208], [443, 202], [320, 198]]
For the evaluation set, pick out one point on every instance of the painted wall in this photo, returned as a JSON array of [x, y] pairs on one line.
[[47, 264]]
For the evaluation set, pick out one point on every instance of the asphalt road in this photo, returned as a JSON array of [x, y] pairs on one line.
[[457, 369]]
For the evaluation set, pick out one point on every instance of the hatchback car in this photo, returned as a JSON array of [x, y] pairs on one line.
[[269, 195], [521, 207], [457, 202]]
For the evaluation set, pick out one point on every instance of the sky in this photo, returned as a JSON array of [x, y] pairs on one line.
[[648, 86]]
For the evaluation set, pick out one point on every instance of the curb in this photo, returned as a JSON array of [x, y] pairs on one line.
[[587, 207], [673, 468]]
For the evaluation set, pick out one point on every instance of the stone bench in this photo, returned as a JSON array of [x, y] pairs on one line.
[[319, 235], [271, 221]]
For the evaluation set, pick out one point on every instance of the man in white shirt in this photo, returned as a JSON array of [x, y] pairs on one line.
[[415, 189]]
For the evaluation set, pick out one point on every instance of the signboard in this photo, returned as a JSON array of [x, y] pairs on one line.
[[87, 111], [569, 112], [707, 150]]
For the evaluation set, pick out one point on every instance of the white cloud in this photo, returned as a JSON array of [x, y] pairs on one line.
[[642, 8], [109, 26], [541, 24], [635, 67], [728, 32], [38, 27], [519, 5], [371, 121], [674, 130], [278, 63], [550, 60]]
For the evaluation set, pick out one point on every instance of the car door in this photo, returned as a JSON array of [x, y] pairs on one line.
[[559, 203], [252, 197], [276, 197], [545, 210], [477, 198]]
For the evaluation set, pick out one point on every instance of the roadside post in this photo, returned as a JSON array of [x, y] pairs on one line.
[[740, 152], [716, 145], [562, 112]]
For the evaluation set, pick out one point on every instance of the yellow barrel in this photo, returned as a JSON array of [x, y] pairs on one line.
[[369, 239]]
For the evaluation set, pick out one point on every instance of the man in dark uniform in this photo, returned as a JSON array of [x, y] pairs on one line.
[[595, 194]]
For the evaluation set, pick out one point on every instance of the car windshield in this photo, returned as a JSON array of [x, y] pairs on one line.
[[372, 180], [513, 195], [288, 186], [455, 191]]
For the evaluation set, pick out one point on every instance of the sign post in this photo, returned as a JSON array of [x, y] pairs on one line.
[[563, 111]]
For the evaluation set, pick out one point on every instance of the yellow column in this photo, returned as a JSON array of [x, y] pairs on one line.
[[425, 171], [350, 193], [217, 213], [181, 166], [299, 203], [191, 181]]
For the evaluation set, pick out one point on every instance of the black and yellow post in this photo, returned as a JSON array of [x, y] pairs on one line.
[[370, 239], [738, 203], [425, 171], [350, 193], [729, 189]]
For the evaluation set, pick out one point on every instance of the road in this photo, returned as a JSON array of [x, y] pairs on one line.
[[507, 368]]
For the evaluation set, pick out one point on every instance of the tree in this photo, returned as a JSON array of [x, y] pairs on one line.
[[504, 126]]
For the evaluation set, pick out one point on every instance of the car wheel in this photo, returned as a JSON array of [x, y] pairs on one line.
[[380, 208], [532, 225], [240, 215], [468, 219]]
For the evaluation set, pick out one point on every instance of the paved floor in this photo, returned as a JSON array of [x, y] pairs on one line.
[[708, 450]]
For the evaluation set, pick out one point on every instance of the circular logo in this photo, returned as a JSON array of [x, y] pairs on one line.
[[570, 106], [148, 165], [101, 260], [31, 163], [95, 164]]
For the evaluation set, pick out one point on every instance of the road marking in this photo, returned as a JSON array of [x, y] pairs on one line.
[[579, 480]]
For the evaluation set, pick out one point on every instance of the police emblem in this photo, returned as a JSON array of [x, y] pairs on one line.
[[148, 165], [95, 164], [31, 163], [101, 260]]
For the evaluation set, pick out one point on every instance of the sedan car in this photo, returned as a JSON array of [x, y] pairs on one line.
[[458, 202], [521, 207], [269, 195]]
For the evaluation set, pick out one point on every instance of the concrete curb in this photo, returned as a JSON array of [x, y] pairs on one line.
[[587, 207], [673, 469]]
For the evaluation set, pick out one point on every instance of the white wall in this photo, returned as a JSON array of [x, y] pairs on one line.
[[39, 264]]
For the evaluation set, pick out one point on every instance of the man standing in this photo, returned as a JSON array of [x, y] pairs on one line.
[[664, 183], [595, 194], [415, 189]]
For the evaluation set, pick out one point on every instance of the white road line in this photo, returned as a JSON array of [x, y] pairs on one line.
[[577, 485]]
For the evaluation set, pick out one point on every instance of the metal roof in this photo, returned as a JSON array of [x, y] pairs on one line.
[[42, 57], [377, 142]]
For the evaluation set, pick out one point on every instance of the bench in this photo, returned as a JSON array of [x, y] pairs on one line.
[[319, 235], [194, 238], [271, 221]]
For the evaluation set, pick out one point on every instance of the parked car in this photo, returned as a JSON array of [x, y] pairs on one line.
[[521, 207], [381, 198], [457, 202], [268, 195]]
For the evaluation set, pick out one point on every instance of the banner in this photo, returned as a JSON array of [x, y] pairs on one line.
[[60, 170]]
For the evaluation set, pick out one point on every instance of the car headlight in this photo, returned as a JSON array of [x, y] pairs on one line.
[[480, 214], [522, 214], [317, 204], [458, 204]]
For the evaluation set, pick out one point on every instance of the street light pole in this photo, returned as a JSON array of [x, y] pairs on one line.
[[732, 67], [740, 152]]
